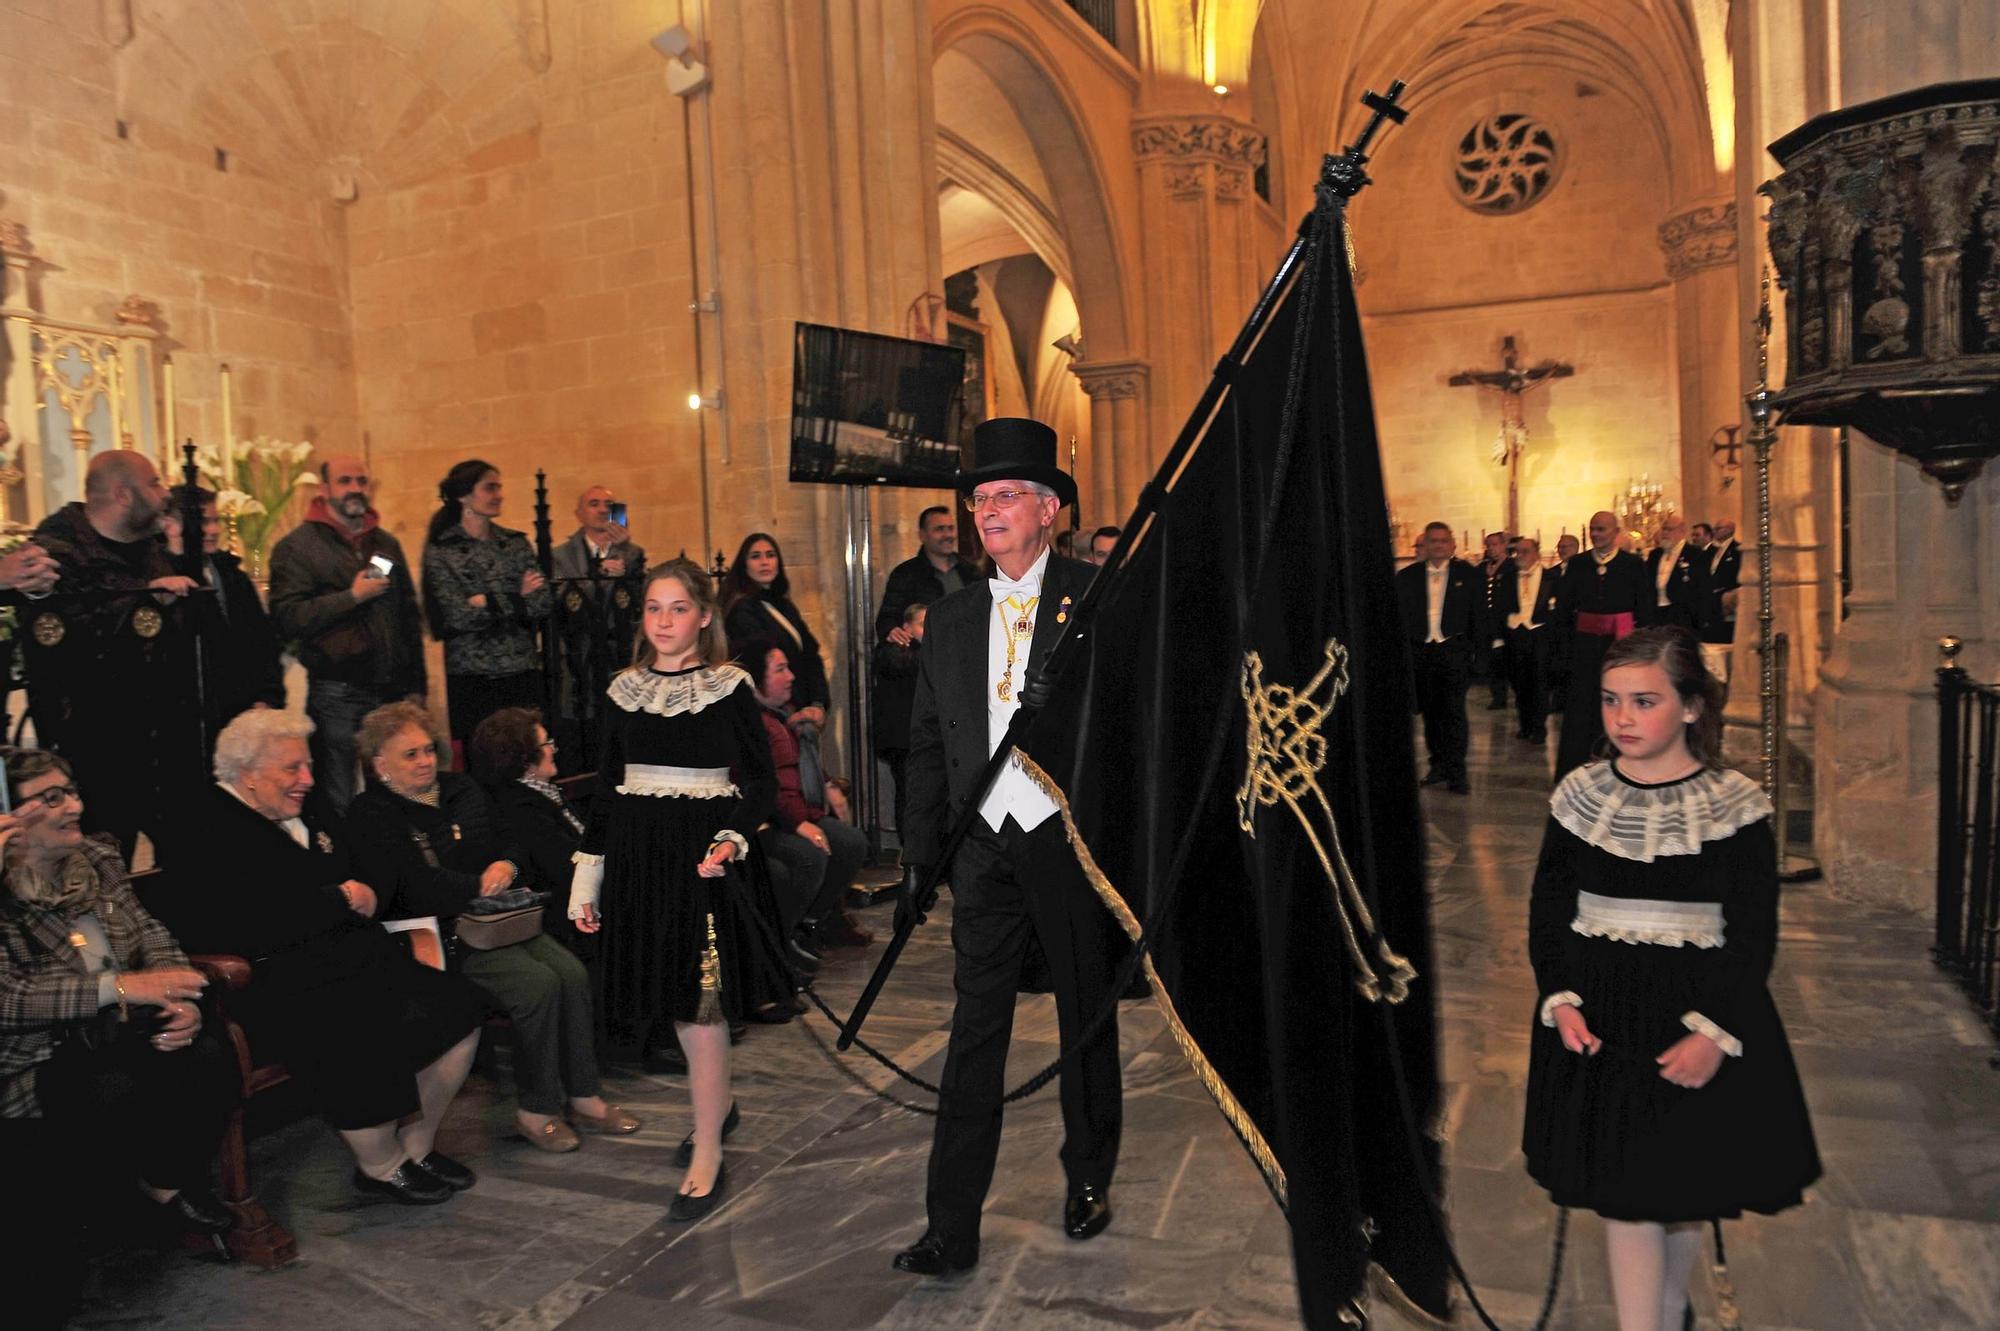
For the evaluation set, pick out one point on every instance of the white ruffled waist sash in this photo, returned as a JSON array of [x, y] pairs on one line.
[[700, 783], [1635, 920]]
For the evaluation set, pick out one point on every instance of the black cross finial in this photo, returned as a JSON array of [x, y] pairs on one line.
[[1347, 174]]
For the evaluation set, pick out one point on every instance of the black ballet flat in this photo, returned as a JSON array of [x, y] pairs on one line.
[[932, 1256], [687, 1208], [684, 1153], [410, 1184], [447, 1171]]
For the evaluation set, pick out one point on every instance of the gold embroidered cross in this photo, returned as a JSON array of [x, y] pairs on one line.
[[1287, 752]]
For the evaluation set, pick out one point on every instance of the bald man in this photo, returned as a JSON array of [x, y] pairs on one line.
[[110, 674], [341, 588], [1606, 593], [596, 626]]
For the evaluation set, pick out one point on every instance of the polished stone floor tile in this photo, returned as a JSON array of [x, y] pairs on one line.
[[827, 1177]]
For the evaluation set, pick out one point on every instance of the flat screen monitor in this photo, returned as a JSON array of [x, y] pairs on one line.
[[868, 409]]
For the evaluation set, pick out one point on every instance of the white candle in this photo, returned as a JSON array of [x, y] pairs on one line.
[[228, 477], [167, 371]]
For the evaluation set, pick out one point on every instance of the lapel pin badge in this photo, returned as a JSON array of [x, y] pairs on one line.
[[1062, 611]]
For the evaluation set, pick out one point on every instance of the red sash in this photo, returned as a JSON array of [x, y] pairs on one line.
[[1605, 626]]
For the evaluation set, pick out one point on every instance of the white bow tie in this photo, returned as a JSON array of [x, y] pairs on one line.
[[1003, 589]]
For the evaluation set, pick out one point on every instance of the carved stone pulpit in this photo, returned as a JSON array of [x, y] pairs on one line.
[[1885, 231]]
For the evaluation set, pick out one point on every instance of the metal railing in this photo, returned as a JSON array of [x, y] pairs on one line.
[[1968, 863]]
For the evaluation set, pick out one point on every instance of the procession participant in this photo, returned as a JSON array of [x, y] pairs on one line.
[[1015, 879], [1605, 595]]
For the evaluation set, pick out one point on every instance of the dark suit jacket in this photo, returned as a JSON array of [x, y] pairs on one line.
[[910, 581], [948, 746], [1507, 598], [1464, 595], [1724, 574], [1686, 586]]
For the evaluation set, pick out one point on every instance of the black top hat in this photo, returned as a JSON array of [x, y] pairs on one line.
[[1013, 448]]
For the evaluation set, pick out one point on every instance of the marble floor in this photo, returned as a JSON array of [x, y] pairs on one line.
[[1903, 1233]]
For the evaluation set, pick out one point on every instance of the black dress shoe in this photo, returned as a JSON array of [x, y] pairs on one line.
[[198, 1210], [686, 1207], [684, 1153], [931, 1256], [411, 1184], [1087, 1213], [668, 1062], [447, 1171]]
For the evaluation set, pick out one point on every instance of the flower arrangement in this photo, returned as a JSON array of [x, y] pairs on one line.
[[255, 488]]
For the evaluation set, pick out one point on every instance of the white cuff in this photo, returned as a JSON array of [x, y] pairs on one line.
[[735, 839], [1724, 1041], [1554, 1001], [584, 882]]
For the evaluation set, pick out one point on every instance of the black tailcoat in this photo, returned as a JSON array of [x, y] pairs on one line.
[[1724, 573], [1441, 670], [1687, 586]]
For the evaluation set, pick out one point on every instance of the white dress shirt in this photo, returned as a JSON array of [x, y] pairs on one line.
[[1012, 792], [1434, 586], [1528, 592], [1670, 559]]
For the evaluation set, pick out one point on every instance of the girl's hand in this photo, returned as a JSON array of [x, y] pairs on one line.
[[1575, 1032], [1691, 1061], [719, 854], [588, 923]]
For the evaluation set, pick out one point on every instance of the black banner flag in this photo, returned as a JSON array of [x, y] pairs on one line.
[[1231, 746]]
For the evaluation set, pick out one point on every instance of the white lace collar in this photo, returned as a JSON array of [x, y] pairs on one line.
[[1642, 823], [665, 694]]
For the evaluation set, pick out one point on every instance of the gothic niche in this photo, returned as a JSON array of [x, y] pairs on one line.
[[1505, 163], [1884, 228]]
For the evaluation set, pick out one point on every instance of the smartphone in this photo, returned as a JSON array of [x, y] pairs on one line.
[[383, 566], [618, 513]]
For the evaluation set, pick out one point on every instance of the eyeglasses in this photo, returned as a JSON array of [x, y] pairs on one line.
[[1000, 499], [55, 796]]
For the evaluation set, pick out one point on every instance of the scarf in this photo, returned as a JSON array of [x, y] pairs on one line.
[[547, 790]]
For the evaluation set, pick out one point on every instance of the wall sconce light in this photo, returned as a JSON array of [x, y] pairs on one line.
[[686, 75], [1221, 91], [696, 402]]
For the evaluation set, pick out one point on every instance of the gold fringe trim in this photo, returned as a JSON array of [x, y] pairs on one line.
[[710, 1012], [1211, 1080]]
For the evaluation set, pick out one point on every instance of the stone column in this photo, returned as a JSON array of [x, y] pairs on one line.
[[20, 434], [1121, 461], [1209, 248], [1700, 246]]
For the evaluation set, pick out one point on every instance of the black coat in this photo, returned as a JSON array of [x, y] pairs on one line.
[[948, 743], [1687, 586], [1463, 584], [749, 619], [1724, 574], [546, 840], [392, 836], [1507, 598], [895, 691], [240, 662], [912, 581]]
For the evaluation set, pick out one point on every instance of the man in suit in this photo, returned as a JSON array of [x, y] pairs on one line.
[[1605, 595], [1678, 576], [1527, 604], [1716, 625], [599, 572], [1015, 879], [1489, 652], [1436, 596]]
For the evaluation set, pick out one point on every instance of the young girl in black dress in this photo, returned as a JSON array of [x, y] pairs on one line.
[[1661, 1089], [686, 778]]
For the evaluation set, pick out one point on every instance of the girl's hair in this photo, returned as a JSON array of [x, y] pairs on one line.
[[1676, 651], [504, 747], [737, 582], [712, 647], [452, 490]]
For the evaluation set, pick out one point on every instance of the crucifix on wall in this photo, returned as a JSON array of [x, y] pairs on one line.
[[1514, 384]]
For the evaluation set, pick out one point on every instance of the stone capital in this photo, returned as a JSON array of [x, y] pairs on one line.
[[14, 239], [1701, 237], [1111, 379], [1179, 139]]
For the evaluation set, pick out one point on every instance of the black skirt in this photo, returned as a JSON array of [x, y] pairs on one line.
[[1607, 1133], [356, 1028], [658, 913]]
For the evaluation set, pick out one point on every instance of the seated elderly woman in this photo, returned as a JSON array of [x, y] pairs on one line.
[[512, 756], [381, 1041], [101, 1037], [427, 839]]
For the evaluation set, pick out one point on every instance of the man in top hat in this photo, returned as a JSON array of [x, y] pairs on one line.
[[1015, 878]]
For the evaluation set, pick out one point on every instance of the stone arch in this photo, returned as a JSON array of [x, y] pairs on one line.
[[1078, 207]]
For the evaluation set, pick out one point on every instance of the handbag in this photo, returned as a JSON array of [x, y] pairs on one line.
[[501, 920]]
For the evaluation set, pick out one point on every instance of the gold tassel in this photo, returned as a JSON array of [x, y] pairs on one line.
[[710, 1011]]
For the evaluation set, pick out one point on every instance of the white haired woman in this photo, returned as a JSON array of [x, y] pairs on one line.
[[380, 1041]]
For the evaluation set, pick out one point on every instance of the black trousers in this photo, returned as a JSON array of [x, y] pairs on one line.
[[1443, 670], [1527, 668], [157, 1116], [1006, 888], [1583, 716], [1496, 666]]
